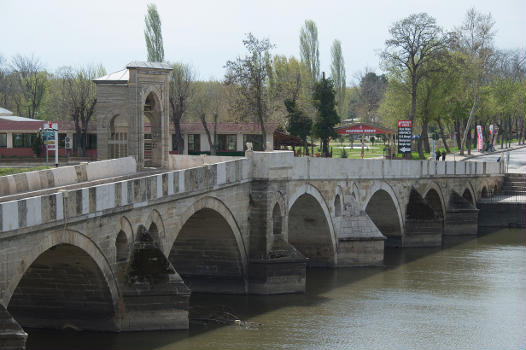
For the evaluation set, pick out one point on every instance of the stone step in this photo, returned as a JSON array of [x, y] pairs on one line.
[[514, 188]]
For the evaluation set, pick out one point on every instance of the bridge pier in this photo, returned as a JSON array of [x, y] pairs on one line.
[[154, 296], [423, 233], [360, 243], [12, 336], [281, 271], [461, 217]]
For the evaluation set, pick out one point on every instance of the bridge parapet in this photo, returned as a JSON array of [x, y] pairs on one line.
[[67, 175], [283, 164], [79, 204]]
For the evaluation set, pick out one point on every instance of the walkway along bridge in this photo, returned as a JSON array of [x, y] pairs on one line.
[[124, 253]]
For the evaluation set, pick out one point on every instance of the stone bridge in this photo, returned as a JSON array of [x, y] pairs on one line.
[[125, 255]]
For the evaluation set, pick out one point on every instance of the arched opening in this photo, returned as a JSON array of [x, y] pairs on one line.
[[423, 222], [382, 211], [432, 198], [484, 193], [152, 131], [147, 141], [309, 231], [337, 206], [207, 256], [118, 140], [63, 288], [277, 220], [122, 247], [462, 215], [467, 196]]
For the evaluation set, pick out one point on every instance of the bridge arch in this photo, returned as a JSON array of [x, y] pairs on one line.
[[206, 248], [383, 207], [155, 221], [338, 202], [469, 195], [435, 198], [64, 260], [124, 240], [308, 213]]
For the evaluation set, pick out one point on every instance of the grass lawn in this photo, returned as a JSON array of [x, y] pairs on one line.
[[10, 171]]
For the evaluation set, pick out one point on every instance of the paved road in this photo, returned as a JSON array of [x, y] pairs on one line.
[[517, 162]]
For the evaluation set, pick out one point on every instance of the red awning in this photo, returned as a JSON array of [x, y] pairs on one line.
[[361, 128]]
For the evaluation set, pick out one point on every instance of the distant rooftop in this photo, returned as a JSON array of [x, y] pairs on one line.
[[15, 118], [143, 64], [4, 111], [123, 76], [120, 76]]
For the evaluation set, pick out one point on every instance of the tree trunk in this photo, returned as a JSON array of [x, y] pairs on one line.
[[425, 136], [458, 132], [179, 141], [419, 145], [468, 143], [205, 125], [413, 100], [468, 124], [442, 135]]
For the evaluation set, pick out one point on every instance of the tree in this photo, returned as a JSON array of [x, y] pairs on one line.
[[207, 102], [181, 91], [309, 49], [249, 75], [372, 92], [475, 41], [37, 145], [338, 74], [153, 34], [325, 103], [79, 97], [415, 41], [299, 124], [30, 82]]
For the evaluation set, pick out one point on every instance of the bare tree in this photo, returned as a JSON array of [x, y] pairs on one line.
[[372, 92], [207, 101], [415, 41], [249, 75], [475, 40], [181, 91], [153, 34], [338, 75], [79, 97], [30, 83]]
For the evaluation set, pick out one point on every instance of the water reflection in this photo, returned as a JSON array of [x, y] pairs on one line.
[[469, 294]]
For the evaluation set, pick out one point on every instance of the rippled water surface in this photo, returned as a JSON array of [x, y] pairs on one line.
[[470, 294]]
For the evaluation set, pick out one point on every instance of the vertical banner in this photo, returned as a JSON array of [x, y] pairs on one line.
[[480, 144], [491, 131], [405, 133]]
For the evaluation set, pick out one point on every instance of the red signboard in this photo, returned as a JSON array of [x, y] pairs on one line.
[[404, 123]]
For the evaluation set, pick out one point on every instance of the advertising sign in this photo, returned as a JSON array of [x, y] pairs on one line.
[[50, 138], [405, 134], [480, 143]]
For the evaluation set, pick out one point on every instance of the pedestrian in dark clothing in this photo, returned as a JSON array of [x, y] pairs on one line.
[[443, 155], [437, 155]]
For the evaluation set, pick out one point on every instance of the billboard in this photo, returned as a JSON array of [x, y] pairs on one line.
[[405, 133]]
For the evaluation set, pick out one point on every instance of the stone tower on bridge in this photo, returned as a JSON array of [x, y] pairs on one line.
[[133, 114]]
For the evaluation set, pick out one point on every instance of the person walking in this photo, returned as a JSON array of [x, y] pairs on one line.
[[444, 155], [437, 155]]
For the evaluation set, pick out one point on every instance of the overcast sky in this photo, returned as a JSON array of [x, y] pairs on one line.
[[206, 34]]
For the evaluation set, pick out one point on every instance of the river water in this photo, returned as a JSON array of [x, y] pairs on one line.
[[469, 294]]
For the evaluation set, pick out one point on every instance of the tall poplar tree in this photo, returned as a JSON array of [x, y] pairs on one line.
[[153, 35], [309, 49], [338, 75]]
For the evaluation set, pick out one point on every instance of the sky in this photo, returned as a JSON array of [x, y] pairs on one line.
[[206, 34]]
